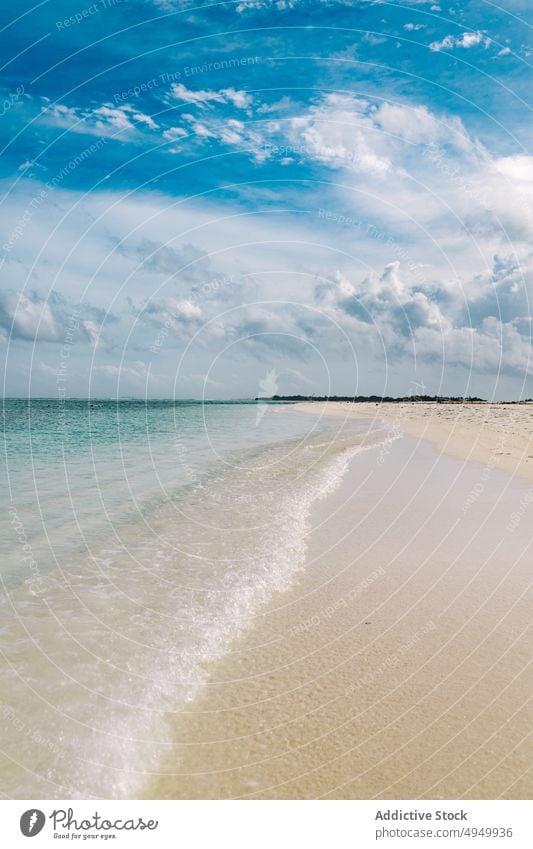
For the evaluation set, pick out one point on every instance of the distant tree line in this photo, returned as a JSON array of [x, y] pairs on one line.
[[378, 399]]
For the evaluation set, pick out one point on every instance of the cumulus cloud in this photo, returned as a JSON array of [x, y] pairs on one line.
[[340, 131], [416, 170], [179, 317], [478, 323], [30, 317], [187, 262], [418, 174], [465, 41], [377, 139], [377, 142], [494, 347], [475, 325]]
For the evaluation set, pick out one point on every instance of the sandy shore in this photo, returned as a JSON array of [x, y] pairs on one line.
[[398, 665], [498, 436]]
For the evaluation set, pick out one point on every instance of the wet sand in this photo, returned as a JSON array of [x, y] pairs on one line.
[[398, 665]]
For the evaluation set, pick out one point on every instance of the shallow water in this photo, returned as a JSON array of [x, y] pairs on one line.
[[138, 540]]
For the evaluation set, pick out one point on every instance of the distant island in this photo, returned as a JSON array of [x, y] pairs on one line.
[[379, 399]]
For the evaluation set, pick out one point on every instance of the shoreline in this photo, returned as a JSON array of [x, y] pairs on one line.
[[496, 436], [394, 667]]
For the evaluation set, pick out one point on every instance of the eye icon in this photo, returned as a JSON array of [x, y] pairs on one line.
[[32, 822]]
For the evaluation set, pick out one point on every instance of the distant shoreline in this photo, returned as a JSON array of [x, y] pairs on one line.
[[274, 399], [498, 436], [379, 399]]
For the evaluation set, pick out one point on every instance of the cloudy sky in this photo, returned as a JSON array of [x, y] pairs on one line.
[[204, 199]]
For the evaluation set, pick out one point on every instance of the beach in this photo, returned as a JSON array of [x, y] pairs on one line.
[[138, 541], [244, 600], [398, 665], [498, 436]]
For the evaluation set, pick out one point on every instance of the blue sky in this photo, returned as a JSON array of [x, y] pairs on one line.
[[326, 196]]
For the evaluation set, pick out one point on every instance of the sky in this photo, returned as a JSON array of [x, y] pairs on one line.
[[226, 200]]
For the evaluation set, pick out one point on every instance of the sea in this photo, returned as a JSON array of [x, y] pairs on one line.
[[139, 539]]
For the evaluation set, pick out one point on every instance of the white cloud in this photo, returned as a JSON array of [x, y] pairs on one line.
[[174, 134], [419, 173], [199, 129], [107, 120], [496, 346], [251, 5], [203, 97], [28, 317], [233, 133], [465, 41], [240, 99], [185, 309], [375, 141], [337, 132], [200, 97], [109, 116], [341, 131], [407, 160], [414, 320], [518, 168], [429, 201]]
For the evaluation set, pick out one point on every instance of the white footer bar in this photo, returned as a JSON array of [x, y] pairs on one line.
[[268, 824]]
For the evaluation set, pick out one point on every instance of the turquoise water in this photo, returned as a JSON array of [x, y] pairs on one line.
[[138, 540], [76, 471]]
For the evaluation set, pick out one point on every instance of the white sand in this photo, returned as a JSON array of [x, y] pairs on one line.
[[498, 436], [399, 664]]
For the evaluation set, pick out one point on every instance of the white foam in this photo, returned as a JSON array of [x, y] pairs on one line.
[[198, 592]]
